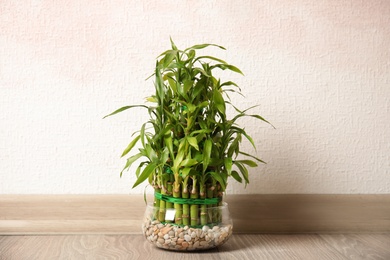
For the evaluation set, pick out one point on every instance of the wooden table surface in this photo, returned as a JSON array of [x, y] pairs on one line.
[[240, 246]]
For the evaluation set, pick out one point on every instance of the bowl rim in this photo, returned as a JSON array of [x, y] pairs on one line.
[[224, 205]]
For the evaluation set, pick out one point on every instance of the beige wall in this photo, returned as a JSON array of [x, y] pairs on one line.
[[319, 69]]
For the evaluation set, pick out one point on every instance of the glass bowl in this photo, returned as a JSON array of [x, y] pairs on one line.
[[216, 229]]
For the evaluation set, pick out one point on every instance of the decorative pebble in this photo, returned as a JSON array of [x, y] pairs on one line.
[[203, 243], [187, 238], [172, 237], [160, 226]]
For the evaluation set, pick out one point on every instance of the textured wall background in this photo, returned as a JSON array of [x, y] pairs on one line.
[[319, 69]]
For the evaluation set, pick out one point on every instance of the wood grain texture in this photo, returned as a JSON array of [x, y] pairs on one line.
[[240, 246], [122, 214], [358, 246]]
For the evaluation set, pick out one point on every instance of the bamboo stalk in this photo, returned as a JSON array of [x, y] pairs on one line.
[[215, 210], [194, 209], [178, 207], [161, 213], [156, 203], [186, 207], [210, 194], [219, 195], [169, 205], [203, 208]]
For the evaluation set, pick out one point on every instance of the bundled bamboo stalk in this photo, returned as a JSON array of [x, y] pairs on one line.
[[189, 203]]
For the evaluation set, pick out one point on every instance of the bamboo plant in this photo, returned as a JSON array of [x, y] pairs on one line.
[[189, 148]]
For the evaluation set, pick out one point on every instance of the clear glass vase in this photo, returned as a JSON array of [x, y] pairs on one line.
[[168, 235]]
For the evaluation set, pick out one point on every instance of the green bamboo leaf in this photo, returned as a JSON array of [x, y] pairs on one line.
[[142, 135], [220, 179], [201, 46], [233, 146], [229, 67], [164, 156], [166, 61], [188, 163], [130, 146], [244, 172], [236, 108], [261, 118], [179, 156], [123, 109], [151, 153], [228, 162], [138, 171], [215, 162], [232, 90], [250, 139], [219, 101], [242, 131], [168, 52], [149, 169], [193, 142], [130, 161], [211, 58], [185, 172], [203, 125], [199, 87], [233, 68], [169, 145], [172, 44], [242, 114], [152, 99], [202, 71], [236, 176], [139, 168], [191, 108], [230, 83], [203, 105], [250, 163], [207, 147], [159, 87], [254, 157], [172, 84], [203, 131], [191, 55]]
